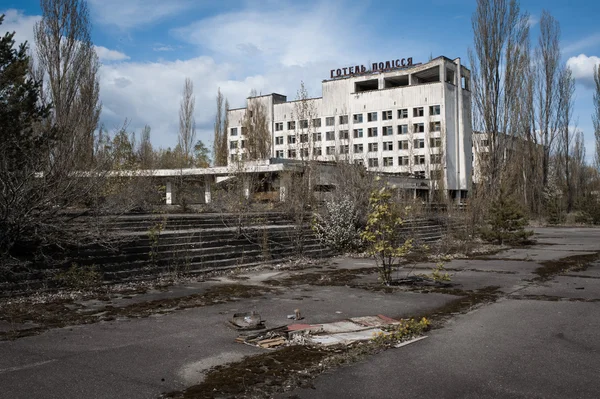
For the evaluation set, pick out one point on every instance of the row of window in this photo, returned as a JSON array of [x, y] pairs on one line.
[[434, 142], [343, 119], [359, 133], [372, 162]]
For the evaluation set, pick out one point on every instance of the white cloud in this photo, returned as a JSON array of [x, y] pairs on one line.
[[583, 68], [582, 44], [532, 21], [286, 35], [21, 24], [162, 47], [135, 13], [105, 54]]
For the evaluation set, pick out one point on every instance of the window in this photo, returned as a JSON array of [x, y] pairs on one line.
[[291, 139], [418, 111], [388, 146], [233, 145], [419, 159], [343, 119], [435, 158], [330, 150], [372, 132], [304, 152], [291, 125], [316, 122], [304, 124], [244, 130], [420, 174], [243, 143], [387, 131], [359, 162], [418, 127], [373, 147], [403, 113], [291, 153], [373, 162], [435, 142], [358, 133], [435, 127], [317, 151], [403, 161], [317, 136], [344, 149], [419, 143], [388, 161], [372, 116], [358, 148], [402, 129], [344, 135], [304, 138], [233, 157], [403, 145], [386, 115], [278, 126], [279, 154], [279, 140], [357, 118], [329, 136], [434, 110], [329, 121], [233, 131]]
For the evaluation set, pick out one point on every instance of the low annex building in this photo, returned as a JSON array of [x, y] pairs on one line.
[[393, 117]]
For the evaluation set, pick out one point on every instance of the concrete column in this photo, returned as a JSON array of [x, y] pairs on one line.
[[246, 189], [169, 193], [207, 192], [282, 193]]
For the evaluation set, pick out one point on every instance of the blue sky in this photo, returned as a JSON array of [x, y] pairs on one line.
[[148, 48]]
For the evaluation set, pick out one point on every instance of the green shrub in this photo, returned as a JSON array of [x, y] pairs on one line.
[[506, 222], [79, 277]]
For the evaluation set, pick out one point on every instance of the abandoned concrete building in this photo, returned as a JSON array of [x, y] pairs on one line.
[[396, 117]]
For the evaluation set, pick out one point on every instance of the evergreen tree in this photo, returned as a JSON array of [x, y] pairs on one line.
[[506, 221]]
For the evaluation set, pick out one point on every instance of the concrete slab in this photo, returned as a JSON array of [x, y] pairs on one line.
[[566, 287], [511, 349]]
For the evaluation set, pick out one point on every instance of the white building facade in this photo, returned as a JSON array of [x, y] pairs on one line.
[[395, 117]]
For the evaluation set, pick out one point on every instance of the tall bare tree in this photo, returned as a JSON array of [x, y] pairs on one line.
[[548, 70], [69, 65], [145, 150], [256, 129], [566, 91], [596, 115], [187, 123], [499, 62], [304, 114], [221, 127]]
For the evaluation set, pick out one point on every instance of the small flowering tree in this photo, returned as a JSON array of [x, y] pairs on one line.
[[337, 227], [382, 235]]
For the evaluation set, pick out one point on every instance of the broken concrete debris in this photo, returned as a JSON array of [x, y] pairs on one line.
[[247, 321], [344, 332]]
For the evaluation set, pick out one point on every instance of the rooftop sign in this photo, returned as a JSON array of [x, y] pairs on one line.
[[376, 66]]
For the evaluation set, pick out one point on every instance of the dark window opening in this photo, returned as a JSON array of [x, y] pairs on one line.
[[366, 85]]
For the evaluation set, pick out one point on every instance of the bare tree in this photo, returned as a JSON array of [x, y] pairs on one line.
[[304, 114], [68, 63], [221, 127], [256, 129], [548, 72], [566, 90], [499, 63], [187, 123], [145, 152], [596, 115]]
